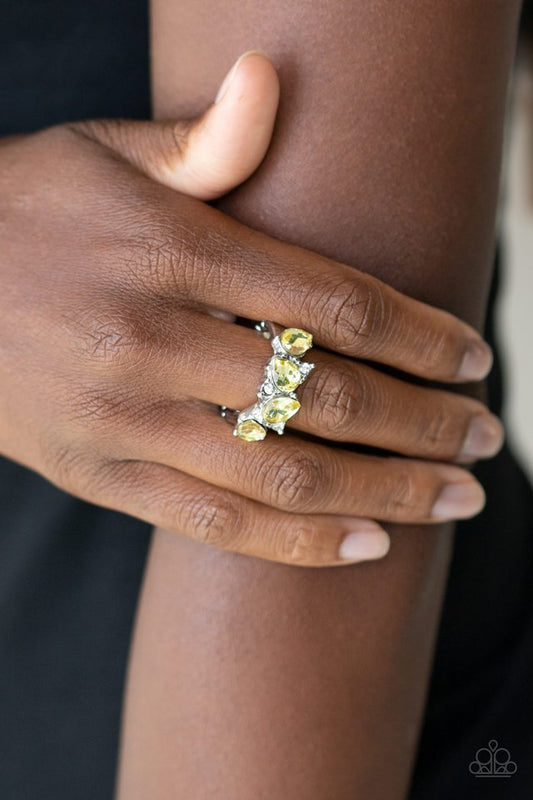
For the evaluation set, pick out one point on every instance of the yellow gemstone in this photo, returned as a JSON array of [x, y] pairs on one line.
[[296, 341], [250, 430], [280, 409], [286, 374]]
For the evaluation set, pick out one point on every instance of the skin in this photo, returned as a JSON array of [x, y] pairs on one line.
[[253, 679], [112, 267]]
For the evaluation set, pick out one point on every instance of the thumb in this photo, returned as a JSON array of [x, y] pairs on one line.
[[211, 154]]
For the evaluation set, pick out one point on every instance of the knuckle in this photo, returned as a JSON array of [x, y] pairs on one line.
[[438, 350], [112, 338], [403, 500], [295, 481], [178, 255], [71, 469], [97, 410], [301, 545], [335, 400], [62, 466], [214, 520], [440, 432], [152, 245], [352, 311], [122, 419], [160, 253], [119, 482]]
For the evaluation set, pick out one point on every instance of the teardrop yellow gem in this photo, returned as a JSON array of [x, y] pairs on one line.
[[286, 374], [250, 430], [280, 409], [296, 341]]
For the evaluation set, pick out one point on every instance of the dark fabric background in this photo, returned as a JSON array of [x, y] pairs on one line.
[[69, 572], [64, 60], [526, 22]]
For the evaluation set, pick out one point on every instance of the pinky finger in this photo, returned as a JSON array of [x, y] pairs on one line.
[[170, 499]]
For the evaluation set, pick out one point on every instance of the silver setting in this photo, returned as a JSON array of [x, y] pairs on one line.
[[229, 414], [265, 328], [269, 388]]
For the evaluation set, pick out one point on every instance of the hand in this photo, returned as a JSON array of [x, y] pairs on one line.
[[111, 363]]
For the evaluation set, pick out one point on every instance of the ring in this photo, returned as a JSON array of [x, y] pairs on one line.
[[276, 398]]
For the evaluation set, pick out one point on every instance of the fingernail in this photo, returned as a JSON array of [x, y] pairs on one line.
[[477, 361], [459, 501], [365, 545], [224, 86], [484, 437]]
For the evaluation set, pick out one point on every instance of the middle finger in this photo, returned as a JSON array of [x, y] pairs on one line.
[[343, 399]]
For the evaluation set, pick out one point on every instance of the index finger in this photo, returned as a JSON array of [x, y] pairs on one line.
[[227, 265]]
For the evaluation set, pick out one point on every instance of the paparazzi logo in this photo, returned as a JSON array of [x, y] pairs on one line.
[[492, 762]]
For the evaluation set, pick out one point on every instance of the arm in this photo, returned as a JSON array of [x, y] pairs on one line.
[[251, 679]]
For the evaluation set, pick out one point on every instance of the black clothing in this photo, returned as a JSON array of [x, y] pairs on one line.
[[481, 684], [70, 572]]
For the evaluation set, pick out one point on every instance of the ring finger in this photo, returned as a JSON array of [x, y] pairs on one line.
[[304, 477], [343, 399]]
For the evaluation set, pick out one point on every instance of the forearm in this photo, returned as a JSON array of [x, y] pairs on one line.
[[388, 144], [254, 679]]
